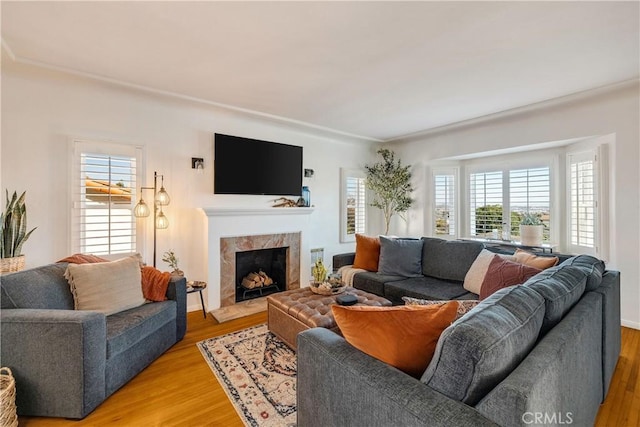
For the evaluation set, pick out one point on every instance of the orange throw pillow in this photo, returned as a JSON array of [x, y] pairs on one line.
[[367, 252], [541, 262], [83, 259], [403, 336], [155, 284]]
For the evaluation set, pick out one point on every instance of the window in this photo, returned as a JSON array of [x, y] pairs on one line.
[[445, 195], [353, 205], [499, 199], [485, 204], [529, 192], [581, 169], [104, 195]]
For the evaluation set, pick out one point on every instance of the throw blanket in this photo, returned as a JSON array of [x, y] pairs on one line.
[[347, 272], [155, 283]]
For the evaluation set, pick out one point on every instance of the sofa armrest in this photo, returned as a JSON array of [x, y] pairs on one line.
[[177, 291], [341, 260], [58, 358], [340, 385]]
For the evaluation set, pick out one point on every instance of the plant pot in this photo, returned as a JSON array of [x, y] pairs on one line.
[[531, 235], [13, 264]]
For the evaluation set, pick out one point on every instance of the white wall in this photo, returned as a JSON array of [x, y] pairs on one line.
[[614, 110], [43, 109]]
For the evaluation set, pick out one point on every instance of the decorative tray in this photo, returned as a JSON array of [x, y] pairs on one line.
[[327, 288]]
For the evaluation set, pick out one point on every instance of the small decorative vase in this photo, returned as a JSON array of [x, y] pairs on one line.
[[177, 273]]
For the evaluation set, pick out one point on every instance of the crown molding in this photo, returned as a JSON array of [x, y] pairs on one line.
[[299, 125]]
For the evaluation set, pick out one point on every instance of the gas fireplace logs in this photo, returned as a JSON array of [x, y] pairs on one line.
[[256, 280]]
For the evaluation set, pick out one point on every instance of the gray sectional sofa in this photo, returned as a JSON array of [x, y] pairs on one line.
[[65, 361], [542, 351], [444, 266]]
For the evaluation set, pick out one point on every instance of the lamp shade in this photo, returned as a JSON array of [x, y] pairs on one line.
[[162, 197], [141, 209], [161, 220]]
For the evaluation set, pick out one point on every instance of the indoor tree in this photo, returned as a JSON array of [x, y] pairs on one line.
[[391, 185]]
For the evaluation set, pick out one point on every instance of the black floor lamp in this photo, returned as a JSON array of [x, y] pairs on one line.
[[161, 198]]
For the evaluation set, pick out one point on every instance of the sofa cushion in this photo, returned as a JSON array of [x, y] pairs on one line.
[[42, 288], [404, 337], [423, 287], [367, 252], [593, 267], [502, 273], [107, 287], [448, 259], [373, 282], [400, 257], [561, 288], [541, 262], [480, 349], [126, 328]]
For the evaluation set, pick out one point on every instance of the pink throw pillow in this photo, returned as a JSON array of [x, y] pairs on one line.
[[502, 273]]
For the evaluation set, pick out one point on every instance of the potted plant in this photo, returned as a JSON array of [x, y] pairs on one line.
[[391, 183], [531, 228], [14, 233], [171, 259]]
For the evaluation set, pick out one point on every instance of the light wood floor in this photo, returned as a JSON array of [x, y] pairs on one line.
[[179, 389]]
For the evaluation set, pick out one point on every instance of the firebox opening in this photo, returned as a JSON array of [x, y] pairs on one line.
[[263, 272]]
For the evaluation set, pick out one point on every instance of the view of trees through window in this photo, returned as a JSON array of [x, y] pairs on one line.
[[517, 192]]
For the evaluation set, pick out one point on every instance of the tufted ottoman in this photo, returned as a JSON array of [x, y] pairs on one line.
[[294, 311]]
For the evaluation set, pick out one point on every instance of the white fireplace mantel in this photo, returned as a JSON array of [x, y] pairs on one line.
[[256, 211], [225, 222]]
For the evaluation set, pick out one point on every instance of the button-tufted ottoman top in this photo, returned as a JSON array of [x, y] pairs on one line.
[[315, 310]]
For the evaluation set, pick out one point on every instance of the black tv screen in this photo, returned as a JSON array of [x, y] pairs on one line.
[[251, 166]]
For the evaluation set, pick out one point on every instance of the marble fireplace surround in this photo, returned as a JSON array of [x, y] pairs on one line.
[[229, 246]]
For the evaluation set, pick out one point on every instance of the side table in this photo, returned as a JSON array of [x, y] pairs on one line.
[[197, 286]]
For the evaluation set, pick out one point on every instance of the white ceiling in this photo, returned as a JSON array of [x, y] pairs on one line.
[[379, 70]]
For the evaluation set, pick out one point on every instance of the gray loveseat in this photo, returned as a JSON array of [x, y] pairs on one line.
[[545, 350], [65, 361]]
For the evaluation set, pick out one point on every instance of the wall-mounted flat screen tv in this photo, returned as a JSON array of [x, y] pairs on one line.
[[252, 166]]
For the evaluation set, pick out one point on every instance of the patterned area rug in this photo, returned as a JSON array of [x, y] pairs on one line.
[[258, 373]]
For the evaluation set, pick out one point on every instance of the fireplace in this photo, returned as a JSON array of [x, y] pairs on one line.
[[277, 254], [260, 272]]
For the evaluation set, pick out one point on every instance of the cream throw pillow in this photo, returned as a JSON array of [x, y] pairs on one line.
[[475, 276], [107, 287]]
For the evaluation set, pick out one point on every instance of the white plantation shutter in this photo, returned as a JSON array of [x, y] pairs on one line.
[[445, 206], [356, 205], [485, 203], [582, 202], [529, 191], [104, 194]]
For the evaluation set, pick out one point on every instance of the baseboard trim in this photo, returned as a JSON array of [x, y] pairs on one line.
[[628, 324]]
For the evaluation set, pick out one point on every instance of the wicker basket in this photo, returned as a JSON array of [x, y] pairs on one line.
[[8, 414], [10, 265]]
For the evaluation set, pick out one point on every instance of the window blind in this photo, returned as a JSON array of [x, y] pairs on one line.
[[485, 203], [444, 189], [529, 192], [356, 205], [104, 196], [582, 183]]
